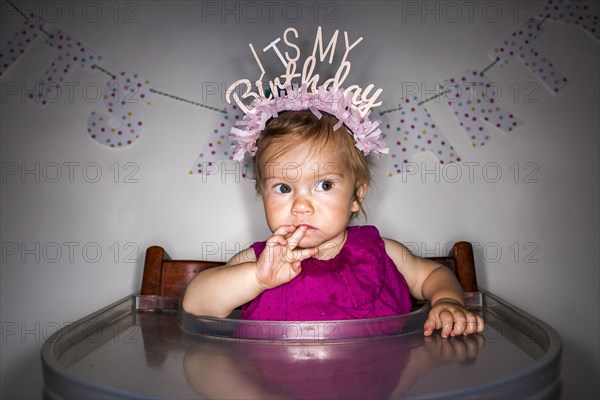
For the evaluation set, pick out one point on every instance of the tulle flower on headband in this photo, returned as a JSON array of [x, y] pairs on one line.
[[337, 103]]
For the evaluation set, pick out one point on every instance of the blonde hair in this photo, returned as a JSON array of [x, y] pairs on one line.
[[293, 127]]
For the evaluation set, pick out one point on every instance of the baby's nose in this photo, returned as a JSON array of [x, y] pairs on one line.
[[302, 205]]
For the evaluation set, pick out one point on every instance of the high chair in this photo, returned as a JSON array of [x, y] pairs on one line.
[[143, 346], [165, 280]]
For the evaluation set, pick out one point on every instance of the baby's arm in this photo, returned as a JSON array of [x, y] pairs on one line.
[[436, 283], [218, 291]]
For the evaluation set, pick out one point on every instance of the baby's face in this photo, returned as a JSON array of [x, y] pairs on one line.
[[300, 188]]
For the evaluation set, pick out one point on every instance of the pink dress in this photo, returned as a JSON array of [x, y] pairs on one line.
[[361, 281]]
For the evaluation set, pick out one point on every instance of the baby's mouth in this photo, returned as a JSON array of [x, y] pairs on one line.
[[309, 227]]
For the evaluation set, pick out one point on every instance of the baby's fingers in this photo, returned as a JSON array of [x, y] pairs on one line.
[[472, 324], [453, 323], [296, 267], [276, 240], [303, 254], [477, 325], [448, 324], [444, 320], [460, 324], [284, 230], [431, 324], [296, 237]]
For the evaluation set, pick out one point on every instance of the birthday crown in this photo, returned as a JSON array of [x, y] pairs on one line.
[[351, 106]]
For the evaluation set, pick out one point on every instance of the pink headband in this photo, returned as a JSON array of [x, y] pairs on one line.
[[350, 106], [338, 103]]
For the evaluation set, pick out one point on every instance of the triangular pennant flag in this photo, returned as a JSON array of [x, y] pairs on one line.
[[70, 53], [121, 96], [572, 12], [472, 98], [520, 43], [217, 147], [20, 43], [412, 130]]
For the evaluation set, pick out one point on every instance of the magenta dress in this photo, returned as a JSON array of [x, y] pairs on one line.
[[361, 281]]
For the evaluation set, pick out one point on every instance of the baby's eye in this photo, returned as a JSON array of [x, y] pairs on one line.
[[282, 188], [324, 186]]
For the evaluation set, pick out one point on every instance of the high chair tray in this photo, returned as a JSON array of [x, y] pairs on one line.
[[124, 352]]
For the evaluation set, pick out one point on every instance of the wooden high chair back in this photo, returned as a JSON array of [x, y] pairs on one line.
[[165, 280]]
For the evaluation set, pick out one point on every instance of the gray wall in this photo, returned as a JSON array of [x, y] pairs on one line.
[[536, 242]]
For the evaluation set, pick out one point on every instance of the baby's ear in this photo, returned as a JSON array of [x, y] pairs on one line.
[[258, 189], [361, 191]]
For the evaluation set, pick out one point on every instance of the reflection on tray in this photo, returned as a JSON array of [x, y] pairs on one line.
[[124, 352]]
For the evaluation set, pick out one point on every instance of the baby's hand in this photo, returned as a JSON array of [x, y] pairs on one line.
[[279, 263], [459, 349], [453, 319]]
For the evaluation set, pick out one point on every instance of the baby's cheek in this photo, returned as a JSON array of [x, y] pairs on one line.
[[273, 215]]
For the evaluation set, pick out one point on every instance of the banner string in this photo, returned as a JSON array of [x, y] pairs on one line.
[[419, 103], [188, 101], [110, 74], [113, 76], [483, 71], [27, 18]]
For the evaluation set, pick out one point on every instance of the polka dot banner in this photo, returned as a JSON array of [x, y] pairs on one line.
[[472, 98], [218, 148], [573, 12], [520, 43], [121, 96], [19, 44], [71, 52], [412, 130]]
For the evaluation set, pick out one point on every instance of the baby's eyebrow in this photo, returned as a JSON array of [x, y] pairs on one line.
[[330, 175], [283, 177]]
